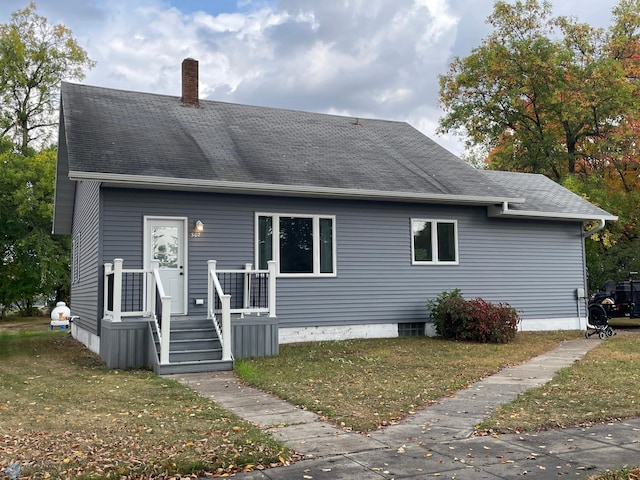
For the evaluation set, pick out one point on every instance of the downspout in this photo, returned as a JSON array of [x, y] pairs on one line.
[[505, 208], [594, 230]]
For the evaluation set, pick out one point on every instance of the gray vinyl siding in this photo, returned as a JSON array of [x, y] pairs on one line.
[[84, 292], [123, 226], [535, 266]]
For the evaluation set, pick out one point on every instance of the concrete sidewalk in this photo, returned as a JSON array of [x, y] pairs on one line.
[[436, 441]]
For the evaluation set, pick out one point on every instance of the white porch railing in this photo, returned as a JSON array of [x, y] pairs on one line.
[[255, 289], [137, 292]]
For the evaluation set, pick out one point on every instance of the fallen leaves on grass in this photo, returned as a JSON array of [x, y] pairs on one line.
[[622, 474], [65, 416], [72, 454], [602, 387], [368, 384]]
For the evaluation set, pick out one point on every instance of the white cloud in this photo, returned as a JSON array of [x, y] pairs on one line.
[[362, 58]]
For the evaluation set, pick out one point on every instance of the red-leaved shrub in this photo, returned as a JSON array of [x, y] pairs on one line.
[[473, 320]]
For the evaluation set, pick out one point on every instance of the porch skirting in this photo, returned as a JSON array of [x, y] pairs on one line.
[[254, 336], [124, 344]]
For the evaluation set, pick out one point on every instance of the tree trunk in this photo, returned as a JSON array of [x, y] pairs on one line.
[[571, 157], [24, 132]]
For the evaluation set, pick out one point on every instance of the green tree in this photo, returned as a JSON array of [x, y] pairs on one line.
[[539, 91], [34, 58], [551, 95], [34, 262], [613, 252]]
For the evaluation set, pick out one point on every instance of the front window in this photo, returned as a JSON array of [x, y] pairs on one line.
[[296, 245], [300, 244], [265, 241], [434, 241]]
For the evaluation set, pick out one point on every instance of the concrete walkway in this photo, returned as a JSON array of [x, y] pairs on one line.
[[436, 441]]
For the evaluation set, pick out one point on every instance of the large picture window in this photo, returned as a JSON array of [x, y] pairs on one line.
[[434, 241], [300, 244]]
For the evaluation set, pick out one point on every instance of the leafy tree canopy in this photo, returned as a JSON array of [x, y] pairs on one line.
[[551, 95], [34, 58], [547, 95], [33, 262]]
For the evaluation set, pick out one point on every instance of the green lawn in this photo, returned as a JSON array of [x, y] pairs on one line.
[[365, 384], [603, 386], [64, 415], [112, 424]]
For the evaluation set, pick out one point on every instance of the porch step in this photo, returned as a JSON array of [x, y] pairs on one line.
[[186, 344], [193, 333], [195, 355], [183, 323], [194, 367], [194, 347]]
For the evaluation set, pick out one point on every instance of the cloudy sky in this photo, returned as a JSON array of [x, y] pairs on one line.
[[362, 58]]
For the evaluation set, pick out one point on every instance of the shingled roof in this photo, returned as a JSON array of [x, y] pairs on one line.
[[154, 141], [112, 132], [543, 198]]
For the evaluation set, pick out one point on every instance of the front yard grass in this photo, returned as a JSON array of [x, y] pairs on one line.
[[626, 473], [365, 384], [64, 415], [602, 386]]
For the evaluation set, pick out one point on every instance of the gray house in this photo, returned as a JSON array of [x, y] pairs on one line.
[[204, 231]]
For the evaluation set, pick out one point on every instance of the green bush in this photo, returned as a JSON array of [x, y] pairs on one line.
[[449, 315], [474, 320]]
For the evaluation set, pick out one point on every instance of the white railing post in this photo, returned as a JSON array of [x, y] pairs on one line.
[[211, 301], [247, 285], [108, 269], [151, 291], [271, 264], [166, 328], [226, 327], [117, 289]]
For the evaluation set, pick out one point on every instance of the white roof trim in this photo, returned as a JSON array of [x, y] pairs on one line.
[[495, 211], [139, 181]]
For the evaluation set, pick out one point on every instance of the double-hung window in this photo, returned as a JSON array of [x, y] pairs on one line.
[[300, 244], [434, 241]]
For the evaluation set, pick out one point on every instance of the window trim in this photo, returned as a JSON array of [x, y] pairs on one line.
[[434, 242], [275, 243]]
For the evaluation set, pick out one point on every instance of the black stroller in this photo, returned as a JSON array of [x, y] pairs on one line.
[[598, 321], [613, 299]]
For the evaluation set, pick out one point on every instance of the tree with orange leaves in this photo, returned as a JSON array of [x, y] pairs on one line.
[[551, 95], [540, 91]]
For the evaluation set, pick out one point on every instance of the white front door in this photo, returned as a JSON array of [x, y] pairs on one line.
[[165, 241]]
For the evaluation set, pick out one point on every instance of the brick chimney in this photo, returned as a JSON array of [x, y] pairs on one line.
[[190, 83]]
